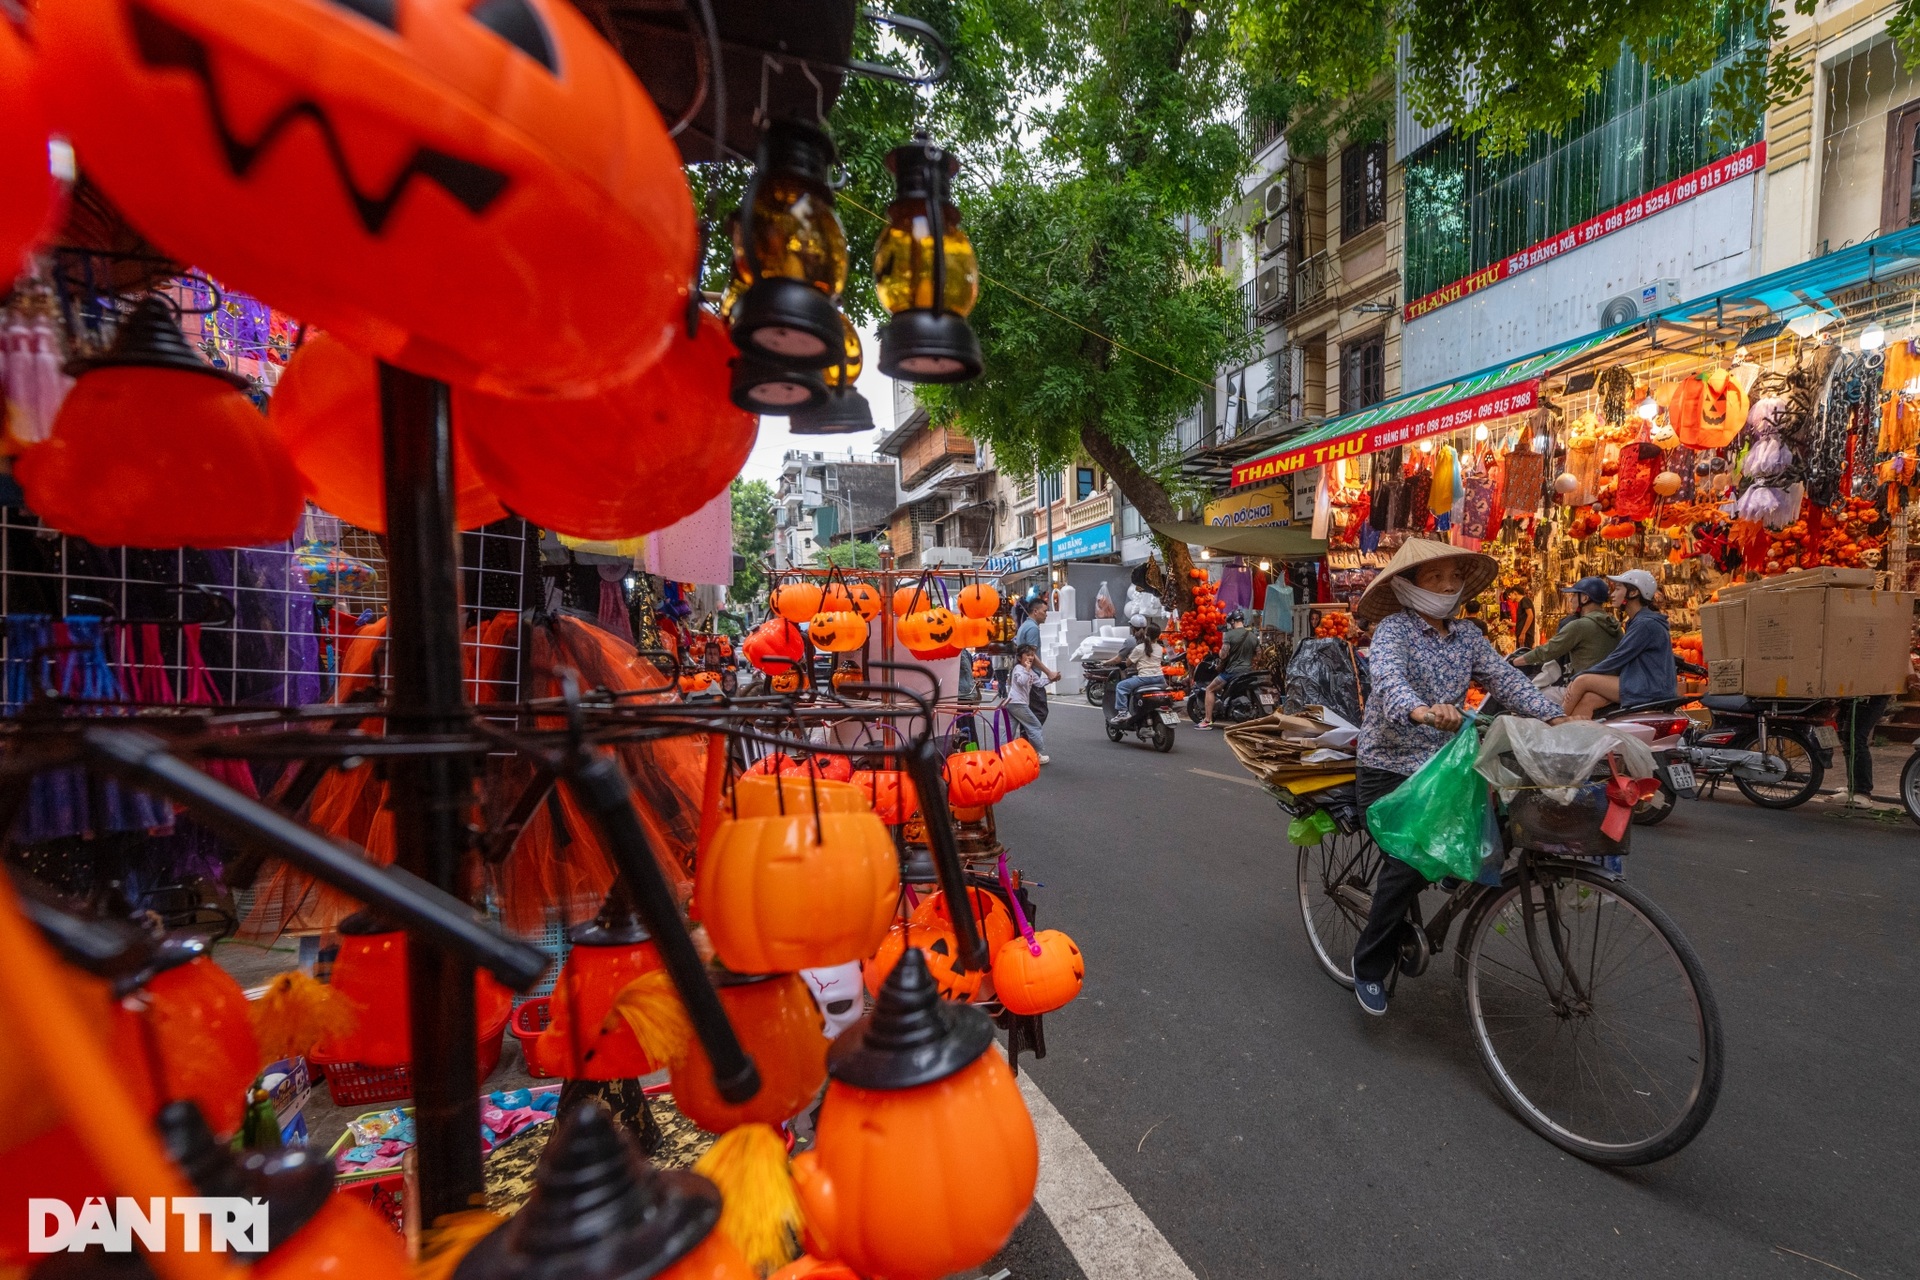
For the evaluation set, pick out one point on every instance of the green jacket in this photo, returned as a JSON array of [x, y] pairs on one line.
[[1582, 641]]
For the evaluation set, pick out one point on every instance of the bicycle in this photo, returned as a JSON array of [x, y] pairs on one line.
[[1586, 1004]]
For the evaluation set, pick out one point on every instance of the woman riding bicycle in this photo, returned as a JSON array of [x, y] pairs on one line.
[[1422, 662]]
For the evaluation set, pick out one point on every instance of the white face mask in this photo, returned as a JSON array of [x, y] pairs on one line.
[[1433, 604]]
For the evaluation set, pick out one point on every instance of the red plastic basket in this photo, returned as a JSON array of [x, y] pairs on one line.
[[353, 1083], [529, 1020]]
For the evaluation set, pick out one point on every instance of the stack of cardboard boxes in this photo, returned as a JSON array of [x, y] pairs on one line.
[[1819, 633]]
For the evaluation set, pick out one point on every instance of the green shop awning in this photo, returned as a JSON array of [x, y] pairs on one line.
[[1275, 542], [1479, 397]]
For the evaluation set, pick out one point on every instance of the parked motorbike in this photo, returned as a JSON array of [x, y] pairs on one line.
[[1776, 751], [1151, 718], [1097, 672], [1910, 784], [1247, 696]]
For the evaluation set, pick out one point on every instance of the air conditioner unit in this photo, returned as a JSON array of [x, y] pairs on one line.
[[946, 558], [1277, 217], [1656, 295], [1269, 291]]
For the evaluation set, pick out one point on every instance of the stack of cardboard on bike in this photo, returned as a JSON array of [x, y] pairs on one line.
[[1300, 752], [1818, 633]]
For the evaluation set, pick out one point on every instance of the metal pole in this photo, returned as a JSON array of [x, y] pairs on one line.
[[430, 797]]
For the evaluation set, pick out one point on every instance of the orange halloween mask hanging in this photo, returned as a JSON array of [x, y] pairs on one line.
[[155, 448], [632, 460], [326, 408], [478, 192], [917, 1098]]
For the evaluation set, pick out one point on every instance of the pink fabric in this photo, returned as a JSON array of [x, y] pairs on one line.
[[697, 549]]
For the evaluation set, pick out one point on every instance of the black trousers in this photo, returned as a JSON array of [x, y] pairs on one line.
[[1395, 890], [1859, 717], [1038, 701]]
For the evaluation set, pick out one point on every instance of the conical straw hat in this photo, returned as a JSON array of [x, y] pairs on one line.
[[1378, 600]]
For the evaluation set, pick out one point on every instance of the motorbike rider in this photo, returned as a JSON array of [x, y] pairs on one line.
[[1587, 634], [1641, 667], [1237, 649], [1423, 660], [1142, 654]]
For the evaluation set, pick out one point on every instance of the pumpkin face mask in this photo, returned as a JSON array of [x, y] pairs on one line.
[[478, 192]]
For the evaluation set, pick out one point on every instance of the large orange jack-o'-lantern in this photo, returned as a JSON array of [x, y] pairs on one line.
[[481, 192], [628, 462], [326, 408]]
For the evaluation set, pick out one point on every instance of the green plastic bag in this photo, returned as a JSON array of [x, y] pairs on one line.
[[1434, 821], [1311, 828]]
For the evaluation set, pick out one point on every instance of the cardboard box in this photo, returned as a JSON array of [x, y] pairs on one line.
[[1829, 576], [1726, 675], [1826, 642], [1723, 633]]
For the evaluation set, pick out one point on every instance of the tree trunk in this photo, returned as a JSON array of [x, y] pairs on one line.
[[1149, 498]]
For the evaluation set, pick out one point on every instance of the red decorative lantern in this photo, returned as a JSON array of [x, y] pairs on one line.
[[774, 646], [798, 892], [797, 601], [326, 408], [1038, 976], [189, 1024], [979, 600], [371, 974], [834, 768], [32, 194], [481, 193], [975, 778], [782, 1029], [155, 448], [634, 459], [581, 1042], [916, 1094]]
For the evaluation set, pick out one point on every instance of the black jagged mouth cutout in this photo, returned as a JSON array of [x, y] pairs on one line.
[[163, 45]]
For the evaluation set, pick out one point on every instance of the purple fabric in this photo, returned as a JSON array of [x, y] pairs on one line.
[[1236, 588]]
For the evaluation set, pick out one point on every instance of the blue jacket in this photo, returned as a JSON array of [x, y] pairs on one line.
[[1643, 660]]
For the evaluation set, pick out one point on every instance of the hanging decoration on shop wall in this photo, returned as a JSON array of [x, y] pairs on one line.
[[450, 213]]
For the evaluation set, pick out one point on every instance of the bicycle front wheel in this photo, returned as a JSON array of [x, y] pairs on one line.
[[1336, 890], [1608, 1044]]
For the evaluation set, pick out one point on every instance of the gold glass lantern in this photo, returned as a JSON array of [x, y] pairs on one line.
[[844, 409], [790, 252], [925, 272]]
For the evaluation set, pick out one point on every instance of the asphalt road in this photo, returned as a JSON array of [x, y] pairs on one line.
[[1266, 1127]]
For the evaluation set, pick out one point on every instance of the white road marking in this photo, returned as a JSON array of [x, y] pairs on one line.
[[1098, 1221], [1242, 779]]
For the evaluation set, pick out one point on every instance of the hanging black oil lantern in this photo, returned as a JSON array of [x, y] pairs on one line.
[[925, 271], [790, 252]]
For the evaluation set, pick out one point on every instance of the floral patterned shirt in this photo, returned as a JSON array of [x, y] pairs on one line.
[[1414, 665]]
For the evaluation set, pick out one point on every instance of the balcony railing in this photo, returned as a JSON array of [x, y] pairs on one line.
[[1311, 279]]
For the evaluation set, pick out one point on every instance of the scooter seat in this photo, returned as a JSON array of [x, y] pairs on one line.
[[1727, 702]]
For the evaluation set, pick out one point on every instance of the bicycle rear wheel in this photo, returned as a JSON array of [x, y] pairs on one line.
[[1336, 888], [1626, 1075]]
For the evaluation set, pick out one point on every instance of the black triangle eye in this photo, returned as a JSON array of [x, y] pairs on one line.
[[939, 947], [516, 22], [380, 11]]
